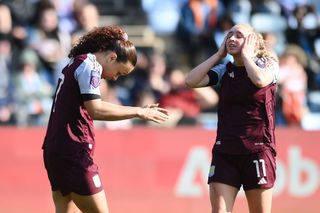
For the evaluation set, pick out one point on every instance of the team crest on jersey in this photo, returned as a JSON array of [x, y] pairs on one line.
[[94, 79]]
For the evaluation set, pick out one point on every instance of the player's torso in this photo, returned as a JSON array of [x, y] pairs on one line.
[[245, 113], [70, 124]]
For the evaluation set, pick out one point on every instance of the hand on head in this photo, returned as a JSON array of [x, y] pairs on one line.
[[222, 52], [249, 47]]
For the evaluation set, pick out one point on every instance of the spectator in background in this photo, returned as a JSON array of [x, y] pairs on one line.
[[49, 42], [162, 15], [194, 30], [6, 84], [186, 104], [293, 85], [87, 16], [158, 74], [304, 31], [65, 9], [33, 93]]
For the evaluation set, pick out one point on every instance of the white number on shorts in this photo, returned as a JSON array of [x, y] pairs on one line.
[[263, 167], [61, 80]]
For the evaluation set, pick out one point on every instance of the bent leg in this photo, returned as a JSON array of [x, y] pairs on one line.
[[64, 204], [259, 200], [222, 197], [96, 203]]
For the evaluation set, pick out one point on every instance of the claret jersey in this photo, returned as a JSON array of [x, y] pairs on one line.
[[70, 128], [246, 113]]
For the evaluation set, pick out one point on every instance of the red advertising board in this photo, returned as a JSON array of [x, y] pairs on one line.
[[156, 170]]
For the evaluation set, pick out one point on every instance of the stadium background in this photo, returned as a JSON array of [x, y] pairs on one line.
[[148, 168]]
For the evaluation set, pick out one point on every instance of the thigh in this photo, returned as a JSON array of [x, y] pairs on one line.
[[95, 203], [222, 197], [64, 204], [259, 200]]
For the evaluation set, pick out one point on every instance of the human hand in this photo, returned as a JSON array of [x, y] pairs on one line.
[[152, 112], [249, 46], [222, 51]]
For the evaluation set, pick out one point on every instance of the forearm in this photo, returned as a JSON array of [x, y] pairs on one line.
[[198, 75], [112, 112], [257, 75]]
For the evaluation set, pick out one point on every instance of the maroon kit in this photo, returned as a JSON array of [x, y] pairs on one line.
[[245, 144], [69, 142]]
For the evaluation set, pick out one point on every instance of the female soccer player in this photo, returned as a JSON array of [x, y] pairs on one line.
[[244, 150], [69, 143]]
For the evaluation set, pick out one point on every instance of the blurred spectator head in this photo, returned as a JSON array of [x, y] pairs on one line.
[[297, 52], [29, 57], [5, 19]]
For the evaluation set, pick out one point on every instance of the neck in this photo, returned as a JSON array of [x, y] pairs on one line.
[[238, 61]]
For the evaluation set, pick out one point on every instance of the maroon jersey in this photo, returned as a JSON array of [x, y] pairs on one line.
[[70, 128], [246, 114]]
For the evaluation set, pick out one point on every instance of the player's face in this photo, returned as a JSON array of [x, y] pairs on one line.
[[114, 70], [235, 39]]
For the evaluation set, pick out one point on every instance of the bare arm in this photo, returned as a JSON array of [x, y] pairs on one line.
[[259, 76], [198, 77], [101, 110]]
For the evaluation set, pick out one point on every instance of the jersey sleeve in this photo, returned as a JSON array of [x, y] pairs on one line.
[[270, 65], [88, 75], [215, 74]]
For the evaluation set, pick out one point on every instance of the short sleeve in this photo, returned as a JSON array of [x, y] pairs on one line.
[[88, 75], [215, 74], [270, 65]]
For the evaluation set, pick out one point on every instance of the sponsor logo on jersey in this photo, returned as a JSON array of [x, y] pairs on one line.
[[218, 143], [231, 74]]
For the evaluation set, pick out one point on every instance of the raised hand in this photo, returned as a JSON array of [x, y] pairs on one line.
[[249, 46], [222, 51]]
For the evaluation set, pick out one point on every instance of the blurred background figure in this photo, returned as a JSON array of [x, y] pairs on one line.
[[293, 85], [194, 30], [184, 103], [50, 43], [87, 16], [6, 84], [33, 92]]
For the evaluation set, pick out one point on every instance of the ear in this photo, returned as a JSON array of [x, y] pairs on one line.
[[112, 57]]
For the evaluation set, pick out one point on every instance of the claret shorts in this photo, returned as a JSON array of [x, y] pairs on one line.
[[68, 174], [252, 171]]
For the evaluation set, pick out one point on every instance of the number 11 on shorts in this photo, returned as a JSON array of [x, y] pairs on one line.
[[260, 166]]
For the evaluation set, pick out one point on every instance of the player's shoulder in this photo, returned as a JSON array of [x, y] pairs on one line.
[[87, 58]]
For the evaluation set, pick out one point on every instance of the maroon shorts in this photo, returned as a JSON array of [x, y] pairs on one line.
[[69, 174], [252, 171]]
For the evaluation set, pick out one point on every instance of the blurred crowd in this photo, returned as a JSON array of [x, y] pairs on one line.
[[36, 36]]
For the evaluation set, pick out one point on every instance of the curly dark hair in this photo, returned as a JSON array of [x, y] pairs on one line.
[[108, 38]]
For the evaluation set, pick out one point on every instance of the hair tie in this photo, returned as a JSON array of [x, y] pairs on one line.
[[125, 36]]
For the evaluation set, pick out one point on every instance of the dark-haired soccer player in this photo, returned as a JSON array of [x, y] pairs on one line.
[[69, 143], [244, 150]]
